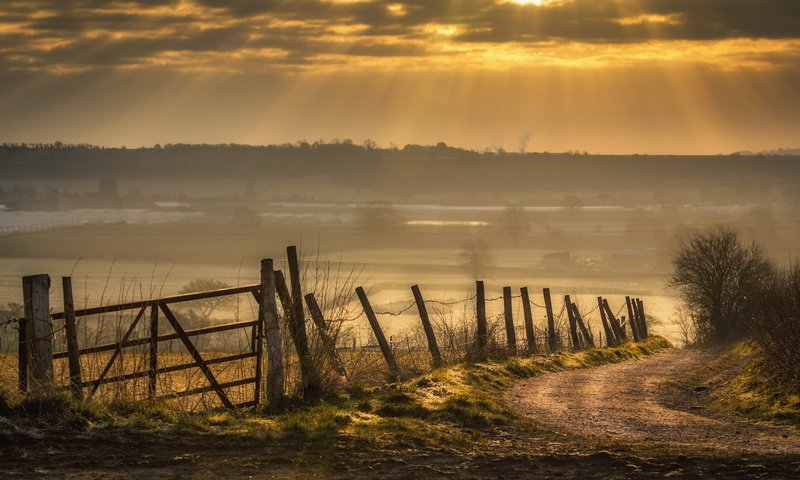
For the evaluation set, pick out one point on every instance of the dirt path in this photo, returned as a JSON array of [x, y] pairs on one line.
[[664, 399]]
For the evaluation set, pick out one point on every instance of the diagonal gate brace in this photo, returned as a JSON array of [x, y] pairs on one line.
[[196, 356]]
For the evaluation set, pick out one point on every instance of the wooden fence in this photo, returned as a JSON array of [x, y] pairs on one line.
[[265, 333]]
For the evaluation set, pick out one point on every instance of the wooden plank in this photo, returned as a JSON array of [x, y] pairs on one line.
[[211, 388], [153, 351], [311, 381], [388, 355], [508, 314], [116, 353], [196, 356], [482, 340], [268, 314], [170, 369], [632, 321], [530, 331], [324, 333], [587, 335], [611, 339], [433, 347], [71, 328], [619, 331], [36, 299], [161, 338], [258, 349], [186, 297], [552, 338], [22, 355], [573, 324]]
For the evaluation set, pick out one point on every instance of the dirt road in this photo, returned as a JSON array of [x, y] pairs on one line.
[[664, 399]]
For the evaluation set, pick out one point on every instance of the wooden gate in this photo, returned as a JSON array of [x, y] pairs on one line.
[[152, 310]]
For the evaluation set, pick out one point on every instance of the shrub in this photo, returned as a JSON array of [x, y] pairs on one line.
[[718, 276], [776, 326]]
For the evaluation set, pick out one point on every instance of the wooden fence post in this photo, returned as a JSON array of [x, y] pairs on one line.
[[508, 313], [642, 317], [71, 328], [394, 370], [436, 356], [268, 315], [573, 324], [587, 335], [637, 336], [552, 339], [611, 339], [36, 295], [483, 329], [324, 334], [152, 372], [22, 355], [530, 332], [619, 332], [312, 386]]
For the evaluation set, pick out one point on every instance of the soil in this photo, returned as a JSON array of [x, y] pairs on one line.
[[634, 420]]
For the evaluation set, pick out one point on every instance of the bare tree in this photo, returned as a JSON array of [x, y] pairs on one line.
[[718, 276], [477, 259], [207, 306]]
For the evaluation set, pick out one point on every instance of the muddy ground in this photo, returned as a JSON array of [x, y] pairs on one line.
[[643, 419]]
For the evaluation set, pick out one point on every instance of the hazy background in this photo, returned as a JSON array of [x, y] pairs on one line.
[[130, 224]]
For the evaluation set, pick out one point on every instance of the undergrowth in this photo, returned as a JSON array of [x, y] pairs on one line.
[[450, 407], [758, 394]]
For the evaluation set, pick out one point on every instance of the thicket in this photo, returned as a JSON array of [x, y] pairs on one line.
[[731, 291]]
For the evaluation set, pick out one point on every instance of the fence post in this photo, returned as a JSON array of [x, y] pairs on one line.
[[530, 332], [637, 336], [587, 335], [508, 313], [436, 356], [72, 339], [268, 313], [552, 340], [619, 331], [611, 339], [573, 324], [483, 329], [394, 370], [22, 355], [642, 317], [36, 295], [324, 334], [312, 386], [152, 372]]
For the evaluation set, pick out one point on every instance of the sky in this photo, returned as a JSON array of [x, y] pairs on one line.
[[604, 76]]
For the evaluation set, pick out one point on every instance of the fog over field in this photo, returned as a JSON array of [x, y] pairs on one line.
[[572, 223]]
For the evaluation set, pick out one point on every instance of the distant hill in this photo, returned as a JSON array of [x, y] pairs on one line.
[[414, 168]]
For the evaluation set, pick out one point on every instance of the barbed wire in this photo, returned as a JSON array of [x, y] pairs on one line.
[[455, 302], [586, 314], [393, 314]]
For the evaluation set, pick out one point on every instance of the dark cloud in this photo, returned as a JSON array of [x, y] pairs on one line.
[[128, 32]]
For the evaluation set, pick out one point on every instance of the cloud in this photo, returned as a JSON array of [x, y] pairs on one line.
[[86, 34]]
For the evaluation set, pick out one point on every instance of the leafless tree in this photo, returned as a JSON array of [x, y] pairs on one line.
[[718, 276]]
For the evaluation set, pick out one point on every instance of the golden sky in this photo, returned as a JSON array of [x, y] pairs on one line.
[[607, 76]]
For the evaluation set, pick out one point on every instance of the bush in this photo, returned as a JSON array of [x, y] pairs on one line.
[[719, 277], [776, 326]]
